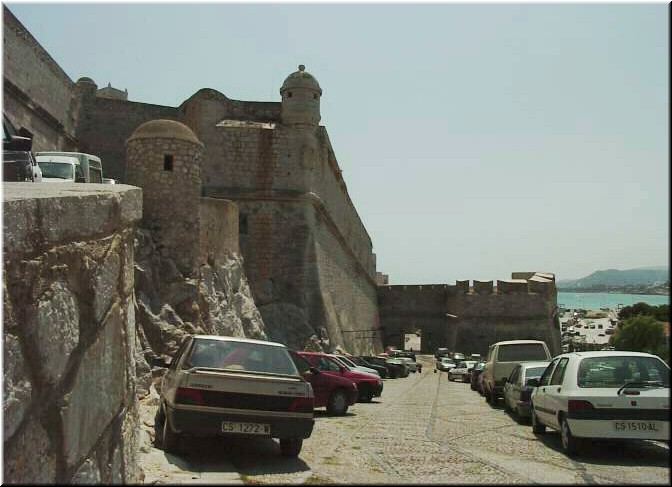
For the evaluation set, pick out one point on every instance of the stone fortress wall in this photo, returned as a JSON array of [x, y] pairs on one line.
[[69, 334], [36, 91], [468, 318]]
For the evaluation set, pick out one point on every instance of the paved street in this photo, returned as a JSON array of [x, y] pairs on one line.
[[424, 429]]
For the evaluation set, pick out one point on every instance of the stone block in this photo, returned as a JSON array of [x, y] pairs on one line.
[[16, 385], [98, 391], [29, 459], [105, 282], [87, 474], [55, 331]]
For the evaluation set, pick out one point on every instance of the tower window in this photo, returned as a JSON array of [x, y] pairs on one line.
[[314, 96], [242, 224], [289, 94], [167, 162]]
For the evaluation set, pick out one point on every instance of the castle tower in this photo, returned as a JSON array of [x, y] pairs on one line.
[[300, 99], [163, 157]]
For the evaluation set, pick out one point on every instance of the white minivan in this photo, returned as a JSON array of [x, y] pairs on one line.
[[503, 357], [70, 167]]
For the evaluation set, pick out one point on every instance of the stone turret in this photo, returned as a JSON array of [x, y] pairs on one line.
[[301, 99], [163, 157]]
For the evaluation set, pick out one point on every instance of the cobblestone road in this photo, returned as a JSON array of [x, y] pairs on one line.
[[424, 429]]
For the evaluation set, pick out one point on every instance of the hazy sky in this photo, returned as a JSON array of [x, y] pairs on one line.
[[475, 140]]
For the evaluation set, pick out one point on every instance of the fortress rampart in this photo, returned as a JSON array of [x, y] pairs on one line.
[[469, 318]]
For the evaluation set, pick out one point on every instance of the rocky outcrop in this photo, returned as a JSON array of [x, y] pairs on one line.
[[169, 306]]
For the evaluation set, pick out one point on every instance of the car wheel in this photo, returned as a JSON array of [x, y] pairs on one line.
[[537, 427], [338, 403], [570, 444], [290, 447], [170, 441]]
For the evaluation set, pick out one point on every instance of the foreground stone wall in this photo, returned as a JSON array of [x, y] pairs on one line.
[[69, 403]]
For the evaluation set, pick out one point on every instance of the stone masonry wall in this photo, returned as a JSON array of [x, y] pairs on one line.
[[37, 94], [479, 316], [69, 336], [109, 123], [171, 198]]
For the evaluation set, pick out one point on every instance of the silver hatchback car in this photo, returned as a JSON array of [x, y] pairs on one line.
[[235, 387]]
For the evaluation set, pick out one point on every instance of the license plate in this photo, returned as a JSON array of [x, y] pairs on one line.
[[246, 428], [637, 426]]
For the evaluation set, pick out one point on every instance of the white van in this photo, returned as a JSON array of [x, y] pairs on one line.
[[503, 357], [64, 167]]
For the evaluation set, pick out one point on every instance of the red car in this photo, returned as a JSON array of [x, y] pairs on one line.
[[368, 386], [335, 393]]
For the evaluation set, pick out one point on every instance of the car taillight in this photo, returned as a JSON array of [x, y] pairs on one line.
[[578, 405], [302, 405], [186, 395]]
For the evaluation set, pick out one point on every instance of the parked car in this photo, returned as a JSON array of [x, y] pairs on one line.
[[475, 375], [381, 369], [368, 386], [409, 362], [394, 369], [402, 354], [335, 393], [603, 394], [18, 162], [401, 368], [441, 352], [77, 167], [457, 356], [445, 364], [517, 390], [502, 358], [235, 387], [475, 357], [461, 370], [353, 366]]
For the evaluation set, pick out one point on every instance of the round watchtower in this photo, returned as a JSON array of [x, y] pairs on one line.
[[301, 99], [163, 157]]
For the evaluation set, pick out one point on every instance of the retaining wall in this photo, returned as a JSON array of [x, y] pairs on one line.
[[69, 404]]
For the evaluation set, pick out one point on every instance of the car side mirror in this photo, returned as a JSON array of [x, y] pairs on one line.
[[314, 370], [532, 382]]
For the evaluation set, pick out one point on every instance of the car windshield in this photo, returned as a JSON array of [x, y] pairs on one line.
[[617, 371], [447, 360], [521, 352], [57, 170], [242, 356]]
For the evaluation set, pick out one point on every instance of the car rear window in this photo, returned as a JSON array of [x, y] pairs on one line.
[[616, 371], [534, 372], [522, 352], [241, 356]]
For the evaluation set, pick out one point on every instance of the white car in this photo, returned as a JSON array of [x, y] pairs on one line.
[[445, 363], [461, 370], [603, 394]]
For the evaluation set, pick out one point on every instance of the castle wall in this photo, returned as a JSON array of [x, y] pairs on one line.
[[37, 94], [69, 404], [106, 125], [218, 230], [479, 315]]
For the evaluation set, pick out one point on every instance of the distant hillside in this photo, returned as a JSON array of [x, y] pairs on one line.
[[612, 278]]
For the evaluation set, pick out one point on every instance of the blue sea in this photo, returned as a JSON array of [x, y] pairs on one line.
[[595, 301]]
